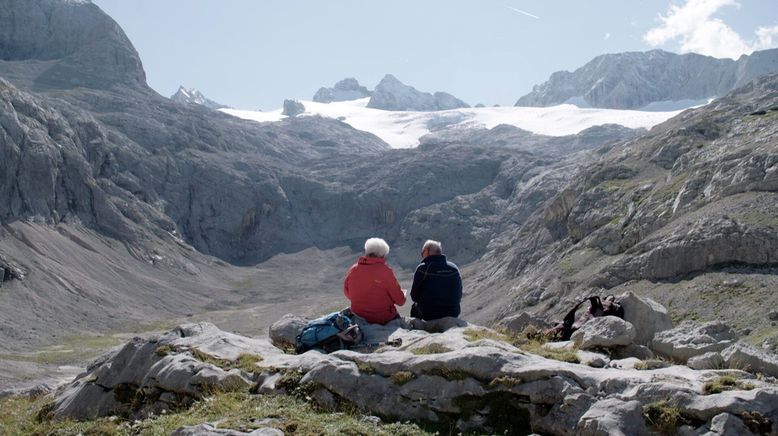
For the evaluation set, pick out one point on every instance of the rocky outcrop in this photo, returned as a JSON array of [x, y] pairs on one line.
[[646, 315], [750, 358], [637, 79], [393, 95], [66, 44], [293, 108], [193, 96], [345, 90], [604, 332], [691, 339], [450, 380]]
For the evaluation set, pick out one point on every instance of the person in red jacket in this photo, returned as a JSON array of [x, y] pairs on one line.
[[371, 285]]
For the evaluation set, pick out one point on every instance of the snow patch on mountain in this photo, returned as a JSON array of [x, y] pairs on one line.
[[403, 129]]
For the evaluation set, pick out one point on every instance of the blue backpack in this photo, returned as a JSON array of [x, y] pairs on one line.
[[335, 331]]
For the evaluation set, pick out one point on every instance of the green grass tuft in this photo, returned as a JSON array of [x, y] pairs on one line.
[[237, 411], [531, 340], [430, 349], [402, 377], [725, 383], [663, 417]]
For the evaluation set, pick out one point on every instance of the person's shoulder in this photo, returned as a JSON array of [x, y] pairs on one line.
[[452, 265]]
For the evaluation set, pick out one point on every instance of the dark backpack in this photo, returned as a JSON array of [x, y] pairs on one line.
[[335, 331]]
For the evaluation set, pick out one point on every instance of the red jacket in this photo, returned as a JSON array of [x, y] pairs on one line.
[[373, 290]]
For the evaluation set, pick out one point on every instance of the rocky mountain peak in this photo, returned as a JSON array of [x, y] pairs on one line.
[[64, 44], [194, 96], [392, 94], [345, 90], [635, 80]]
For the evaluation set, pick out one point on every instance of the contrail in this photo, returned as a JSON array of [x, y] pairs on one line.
[[523, 12]]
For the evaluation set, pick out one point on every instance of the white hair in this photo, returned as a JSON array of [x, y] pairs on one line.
[[434, 247], [376, 247]]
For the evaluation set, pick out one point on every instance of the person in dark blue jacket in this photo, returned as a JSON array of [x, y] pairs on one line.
[[437, 285]]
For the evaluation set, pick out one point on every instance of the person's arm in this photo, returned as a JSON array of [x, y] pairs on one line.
[[395, 291], [418, 277], [345, 285]]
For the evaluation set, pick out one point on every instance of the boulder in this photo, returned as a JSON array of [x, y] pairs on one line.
[[293, 108], [646, 315], [465, 379], [749, 358], [517, 323], [167, 371], [604, 332], [728, 424], [633, 350], [209, 430], [691, 339], [283, 333], [711, 360], [613, 417]]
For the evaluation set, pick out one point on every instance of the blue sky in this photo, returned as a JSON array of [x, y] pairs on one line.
[[252, 54]]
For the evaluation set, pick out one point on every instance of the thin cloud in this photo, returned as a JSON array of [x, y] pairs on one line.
[[693, 26], [523, 12], [607, 36]]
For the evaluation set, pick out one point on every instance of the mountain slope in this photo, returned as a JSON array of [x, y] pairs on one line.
[[686, 214], [637, 79]]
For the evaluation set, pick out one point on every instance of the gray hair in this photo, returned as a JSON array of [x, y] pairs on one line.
[[434, 247], [376, 247]]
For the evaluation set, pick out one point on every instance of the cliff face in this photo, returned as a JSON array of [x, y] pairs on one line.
[[685, 213], [66, 44], [635, 80]]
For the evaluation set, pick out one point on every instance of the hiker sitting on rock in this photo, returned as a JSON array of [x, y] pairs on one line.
[[371, 285], [437, 285]]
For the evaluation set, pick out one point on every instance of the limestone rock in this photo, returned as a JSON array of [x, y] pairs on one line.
[[640, 79], [481, 386], [67, 44], [209, 430], [283, 333], [710, 360], [293, 108], [749, 358], [393, 95], [726, 424], [604, 332], [517, 323], [438, 325], [613, 417], [345, 90], [194, 96], [691, 339], [166, 371], [646, 315]]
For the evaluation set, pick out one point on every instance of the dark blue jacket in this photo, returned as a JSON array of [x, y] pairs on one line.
[[437, 288]]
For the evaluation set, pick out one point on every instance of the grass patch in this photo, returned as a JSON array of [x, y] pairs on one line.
[[245, 362], [663, 417], [364, 367], [505, 381], [450, 374], [646, 365], [70, 350], [725, 383], [238, 411], [531, 340], [402, 377], [430, 349]]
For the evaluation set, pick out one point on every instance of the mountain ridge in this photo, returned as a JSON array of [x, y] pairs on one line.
[[634, 80]]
